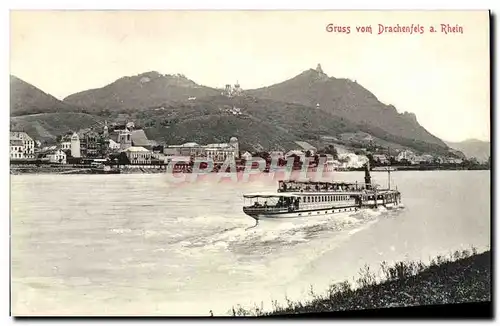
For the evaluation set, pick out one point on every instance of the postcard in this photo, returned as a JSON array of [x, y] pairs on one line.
[[250, 163]]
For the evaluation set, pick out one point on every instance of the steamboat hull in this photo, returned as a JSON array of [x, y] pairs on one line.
[[101, 171], [298, 214]]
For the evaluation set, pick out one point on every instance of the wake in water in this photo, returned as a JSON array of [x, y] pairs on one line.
[[195, 236], [251, 227], [269, 236]]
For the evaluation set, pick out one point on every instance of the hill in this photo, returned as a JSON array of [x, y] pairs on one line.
[[139, 92], [47, 126], [258, 123], [473, 148], [174, 109], [28, 99], [347, 99], [262, 123]]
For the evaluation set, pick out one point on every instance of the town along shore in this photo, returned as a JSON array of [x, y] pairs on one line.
[[152, 169]]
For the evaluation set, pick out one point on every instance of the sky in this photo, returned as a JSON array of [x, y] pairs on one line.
[[443, 78]]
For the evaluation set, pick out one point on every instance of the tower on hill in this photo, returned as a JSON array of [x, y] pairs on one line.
[[318, 69]]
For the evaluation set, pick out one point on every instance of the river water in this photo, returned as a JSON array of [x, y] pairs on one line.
[[144, 245]]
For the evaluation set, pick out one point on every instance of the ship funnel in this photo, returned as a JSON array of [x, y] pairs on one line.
[[368, 178]]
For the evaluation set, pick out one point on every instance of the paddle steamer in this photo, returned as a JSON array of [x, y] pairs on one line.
[[308, 199]]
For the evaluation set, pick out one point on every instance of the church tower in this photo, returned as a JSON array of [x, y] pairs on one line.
[[105, 132], [75, 145], [125, 139], [235, 144]]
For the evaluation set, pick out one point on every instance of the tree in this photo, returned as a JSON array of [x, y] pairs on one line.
[[316, 160], [370, 159], [120, 158], [333, 151], [330, 149], [393, 160], [470, 163]]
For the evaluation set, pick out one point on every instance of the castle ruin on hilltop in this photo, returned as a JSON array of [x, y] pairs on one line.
[[231, 91]]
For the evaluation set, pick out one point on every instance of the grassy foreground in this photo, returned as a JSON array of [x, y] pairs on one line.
[[464, 276]]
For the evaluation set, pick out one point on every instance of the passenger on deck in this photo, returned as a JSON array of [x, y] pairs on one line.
[[265, 204]]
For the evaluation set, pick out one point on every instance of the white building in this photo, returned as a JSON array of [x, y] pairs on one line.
[[186, 149], [162, 158], [277, 154], [453, 160], [246, 156], [298, 153], [66, 145], [28, 143], [218, 152], [57, 156], [381, 158], [114, 146], [406, 155], [426, 158], [351, 160], [138, 155], [16, 148]]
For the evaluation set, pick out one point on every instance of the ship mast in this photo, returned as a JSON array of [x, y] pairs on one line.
[[389, 168]]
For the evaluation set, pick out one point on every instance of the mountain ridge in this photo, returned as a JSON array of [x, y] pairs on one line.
[[152, 92], [479, 149], [26, 98], [140, 91], [345, 98]]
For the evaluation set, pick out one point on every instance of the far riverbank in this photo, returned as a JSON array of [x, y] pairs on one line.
[[144, 169]]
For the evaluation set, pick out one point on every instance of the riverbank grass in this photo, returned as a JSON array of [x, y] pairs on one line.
[[462, 277]]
